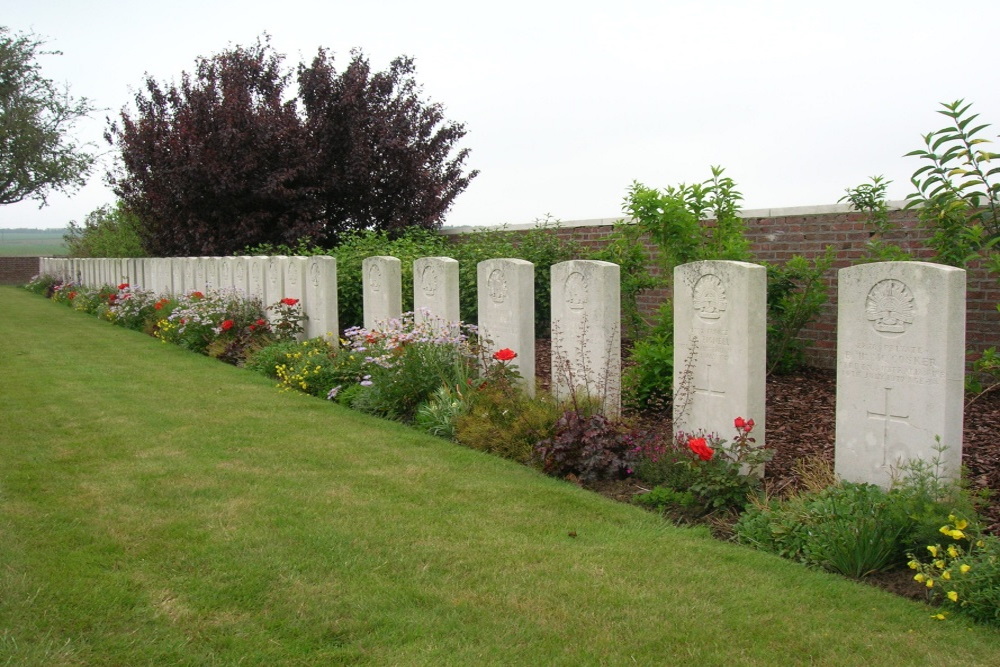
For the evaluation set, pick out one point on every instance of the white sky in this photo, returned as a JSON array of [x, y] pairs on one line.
[[566, 103]]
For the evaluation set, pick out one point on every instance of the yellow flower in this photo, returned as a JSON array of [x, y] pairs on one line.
[[946, 575], [913, 565], [952, 518], [952, 551], [939, 564], [940, 617], [930, 583], [953, 596], [961, 524], [980, 544], [919, 577], [945, 530], [965, 568], [933, 551], [957, 534]]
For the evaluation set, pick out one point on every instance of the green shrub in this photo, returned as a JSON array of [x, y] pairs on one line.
[[267, 359], [795, 294], [43, 285], [507, 423], [647, 380], [108, 231], [962, 572]]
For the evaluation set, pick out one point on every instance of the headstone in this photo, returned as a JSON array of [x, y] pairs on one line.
[[225, 278], [256, 279], [506, 299], [177, 275], [293, 279], [720, 347], [586, 332], [383, 290], [274, 280], [900, 368], [163, 271], [241, 274], [213, 272], [190, 284], [201, 273], [321, 298], [435, 291]]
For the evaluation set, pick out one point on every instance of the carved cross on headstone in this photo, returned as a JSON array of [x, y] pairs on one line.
[[887, 417], [708, 390]]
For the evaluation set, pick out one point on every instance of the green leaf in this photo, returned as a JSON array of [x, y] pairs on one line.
[[944, 138]]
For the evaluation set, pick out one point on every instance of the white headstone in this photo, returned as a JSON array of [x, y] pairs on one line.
[[435, 291], [900, 368], [177, 275], [720, 347], [383, 290], [213, 272], [190, 284], [225, 266], [274, 280], [241, 274], [201, 273], [506, 304], [586, 332], [321, 298], [256, 278]]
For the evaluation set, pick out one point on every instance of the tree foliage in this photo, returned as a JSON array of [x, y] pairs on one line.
[[37, 156], [107, 231], [230, 158]]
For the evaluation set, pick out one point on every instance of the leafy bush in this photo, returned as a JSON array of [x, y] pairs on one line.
[[795, 294], [963, 573], [316, 367], [267, 359], [589, 447], [42, 284], [855, 529], [647, 379], [407, 361], [108, 231], [717, 475], [869, 198]]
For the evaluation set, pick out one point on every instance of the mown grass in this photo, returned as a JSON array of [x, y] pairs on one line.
[[157, 507]]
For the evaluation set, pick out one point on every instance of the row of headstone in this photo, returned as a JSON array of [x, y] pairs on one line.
[[311, 280], [900, 345], [900, 361]]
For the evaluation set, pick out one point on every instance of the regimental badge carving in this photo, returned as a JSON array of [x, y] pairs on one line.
[[497, 286], [375, 277], [430, 280], [889, 306], [577, 290], [314, 274], [709, 297], [292, 277]]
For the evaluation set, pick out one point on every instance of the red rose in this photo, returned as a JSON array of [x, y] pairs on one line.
[[158, 305], [288, 301], [196, 295], [739, 423], [701, 448], [227, 325], [261, 323], [505, 354], [749, 425], [71, 295], [123, 286]]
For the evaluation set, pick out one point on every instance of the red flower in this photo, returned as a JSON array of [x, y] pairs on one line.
[[701, 448], [227, 325], [288, 301], [749, 425], [196, 295], [505, 354], [739, 423], [252, 327], [123, 286], [261, 323], [71, 295]]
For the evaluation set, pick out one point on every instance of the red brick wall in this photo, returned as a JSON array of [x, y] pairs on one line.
[[779, 237], [17, 270]]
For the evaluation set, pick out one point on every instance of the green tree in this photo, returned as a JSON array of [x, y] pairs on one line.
[[37, 156], [108, 231]]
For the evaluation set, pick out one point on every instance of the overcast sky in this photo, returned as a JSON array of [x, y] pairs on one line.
[[567, 103]]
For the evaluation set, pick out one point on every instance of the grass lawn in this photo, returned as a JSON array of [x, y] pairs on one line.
[[158, 507]]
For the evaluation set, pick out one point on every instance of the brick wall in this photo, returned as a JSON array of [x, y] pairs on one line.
[[17, 270], [777, 235]]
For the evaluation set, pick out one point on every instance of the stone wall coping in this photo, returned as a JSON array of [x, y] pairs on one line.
[[784, 212]]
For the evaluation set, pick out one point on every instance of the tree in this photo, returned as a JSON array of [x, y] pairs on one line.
[[224, 160], [384, 156], [107, 231], [218, 162], [36, 155]]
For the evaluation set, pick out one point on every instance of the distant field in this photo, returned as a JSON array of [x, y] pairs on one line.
[[32, 242]]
